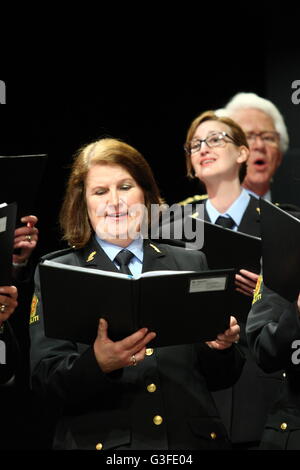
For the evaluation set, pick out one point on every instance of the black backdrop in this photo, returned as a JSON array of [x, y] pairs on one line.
[[146, 92], [142, 80]]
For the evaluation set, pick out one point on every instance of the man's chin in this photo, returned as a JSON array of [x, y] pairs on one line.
[[259, 177]]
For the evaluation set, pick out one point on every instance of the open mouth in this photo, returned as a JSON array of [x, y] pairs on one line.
[[207, 161], [260, 163]]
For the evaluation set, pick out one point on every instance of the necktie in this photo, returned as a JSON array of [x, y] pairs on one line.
[[225, 222], [123, 259]]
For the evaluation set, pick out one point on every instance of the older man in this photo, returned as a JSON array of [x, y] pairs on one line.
[[267, 136]]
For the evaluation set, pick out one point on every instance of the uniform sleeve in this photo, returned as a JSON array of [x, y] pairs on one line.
[[273, 327], [221, 368], [62, 370]]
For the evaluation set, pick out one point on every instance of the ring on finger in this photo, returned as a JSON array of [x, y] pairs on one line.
[[2, 308], [28, 237], [133, 360]]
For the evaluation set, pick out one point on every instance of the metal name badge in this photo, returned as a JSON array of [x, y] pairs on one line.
[[3, 221], [208, 284]]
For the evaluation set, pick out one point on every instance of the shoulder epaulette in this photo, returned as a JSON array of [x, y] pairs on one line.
[[192, 199], [287, 206], [56, 254]]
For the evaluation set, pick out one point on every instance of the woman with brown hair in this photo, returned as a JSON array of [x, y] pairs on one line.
[[101, 400]]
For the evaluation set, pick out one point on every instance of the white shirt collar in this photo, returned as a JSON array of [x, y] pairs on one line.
[[235, 211]]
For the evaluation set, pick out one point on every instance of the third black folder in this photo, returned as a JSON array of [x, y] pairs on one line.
[[280, 250]]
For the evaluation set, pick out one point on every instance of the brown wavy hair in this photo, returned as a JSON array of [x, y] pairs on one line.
[[237, 133], [74, 220]]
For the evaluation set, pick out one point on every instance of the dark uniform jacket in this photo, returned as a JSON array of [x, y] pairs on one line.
[[273, 332], [245, 406], [19, 411], [171, 387]]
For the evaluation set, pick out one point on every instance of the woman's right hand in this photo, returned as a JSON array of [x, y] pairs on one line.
[[129, 351], [8, 302], [245, 282]]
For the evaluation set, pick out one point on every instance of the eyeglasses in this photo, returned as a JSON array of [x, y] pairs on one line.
[[217, 139], [268, 137]]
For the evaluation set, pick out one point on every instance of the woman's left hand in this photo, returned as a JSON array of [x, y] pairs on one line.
[[246, 282], [225, 340], [25, 238]]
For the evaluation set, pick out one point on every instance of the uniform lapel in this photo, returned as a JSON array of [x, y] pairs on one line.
[[92, 256], [156, 257], [250, 222]]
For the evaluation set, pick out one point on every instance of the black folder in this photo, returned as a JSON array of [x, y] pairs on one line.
[[7, 229], [224, 249], [21, 179], [181, 307], [280, 250]]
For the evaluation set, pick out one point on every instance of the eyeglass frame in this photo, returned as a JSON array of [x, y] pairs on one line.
[[221, 135], [259, 134]]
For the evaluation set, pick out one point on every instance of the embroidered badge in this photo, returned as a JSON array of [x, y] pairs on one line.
[[257, 290], [33, 315]]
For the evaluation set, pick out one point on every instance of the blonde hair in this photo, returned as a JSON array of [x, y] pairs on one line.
[[238, 137]]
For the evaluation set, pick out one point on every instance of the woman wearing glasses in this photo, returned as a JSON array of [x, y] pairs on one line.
[[216, 153]]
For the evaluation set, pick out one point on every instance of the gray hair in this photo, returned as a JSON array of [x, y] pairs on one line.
[[251, 100]]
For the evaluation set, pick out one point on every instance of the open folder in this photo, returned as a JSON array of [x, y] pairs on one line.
[[280, 250], [224, 249], [7, 230], [21, 179], [181, 307]]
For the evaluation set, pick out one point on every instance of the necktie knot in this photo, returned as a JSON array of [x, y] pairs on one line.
[[226, 222], [123, 259]]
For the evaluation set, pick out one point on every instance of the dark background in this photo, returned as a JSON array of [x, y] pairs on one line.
[[146, 89], [143, 78]]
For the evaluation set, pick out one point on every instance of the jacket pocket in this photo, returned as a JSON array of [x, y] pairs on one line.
[[210, 432], [281, 432], [93, 432]]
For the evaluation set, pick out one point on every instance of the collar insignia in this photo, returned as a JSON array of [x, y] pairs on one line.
[[91, 256], [154, 247]]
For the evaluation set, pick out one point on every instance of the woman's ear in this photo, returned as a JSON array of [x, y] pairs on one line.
[[243, 155]]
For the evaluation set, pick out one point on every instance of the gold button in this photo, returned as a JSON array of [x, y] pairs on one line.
[[149, 351], [213, 435], [99, 446], [157, 420], [151, 388], [283, 426]]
